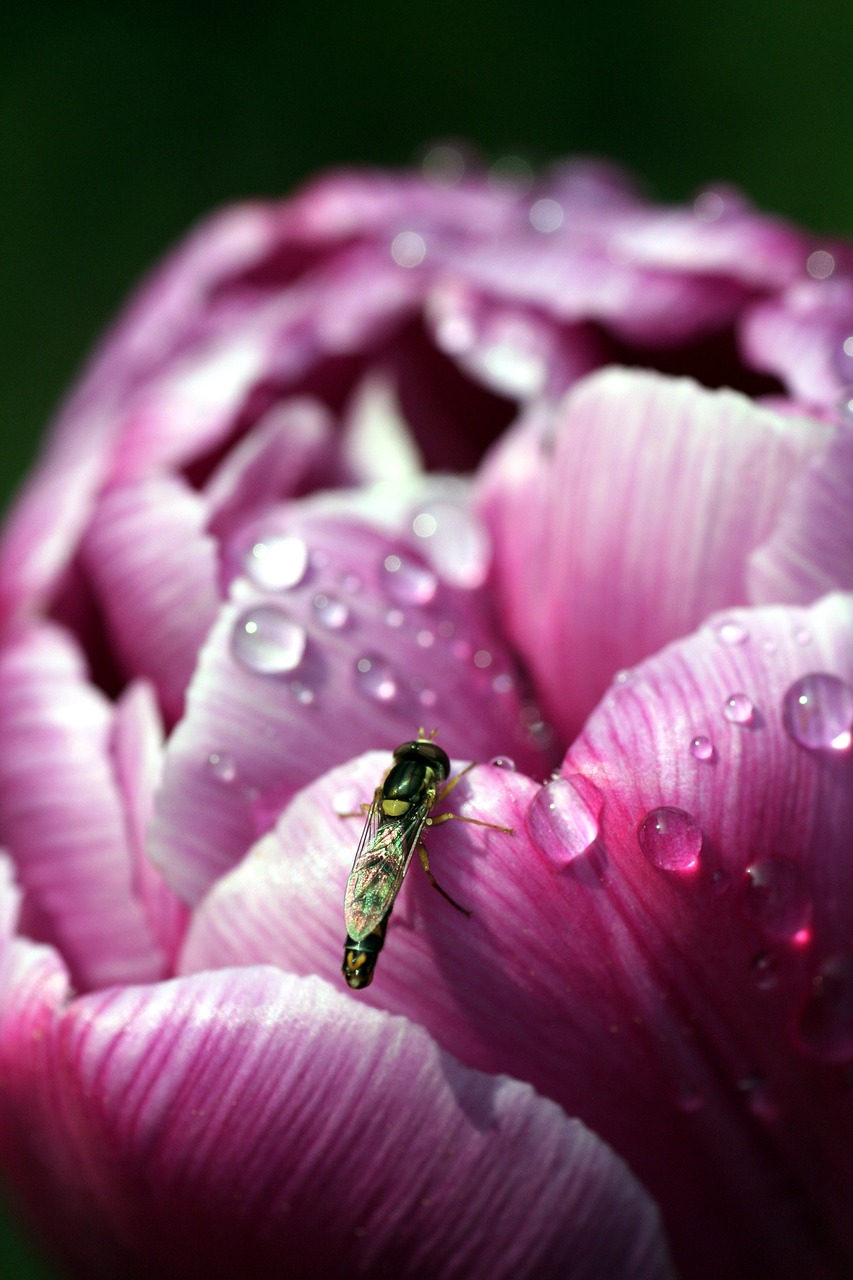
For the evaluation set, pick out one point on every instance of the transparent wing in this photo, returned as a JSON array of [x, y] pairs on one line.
[[381, 861]]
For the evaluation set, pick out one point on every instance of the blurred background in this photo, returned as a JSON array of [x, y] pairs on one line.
[[119, 127]]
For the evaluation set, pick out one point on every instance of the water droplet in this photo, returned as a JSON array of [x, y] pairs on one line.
[[774, 896], [802, 635], [625, 676], [276, 561], [266, 639], [331, 612], [764, 970], [424, 525], [817, 711], [395, 618], [482, 659], [409, 582], [731, 632], [503, 683], [825, 1028], [375, 678], [739, 708], [425, 638], [301, 692], [459, 548], [408, 249], [222, 766], [546, 215], [670, 838], [503, 762], [560, 820], [702, 748], [428, 697], [820, 264]]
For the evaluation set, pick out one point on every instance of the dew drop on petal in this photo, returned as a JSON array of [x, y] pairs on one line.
[[739, 708], [267, 640], [702, 748], [670, 838], [375, 678], [408, 582], [276, 561], [775, 897], [424, 525], [503, 762], [825, 1029], [731, 632], [428, 697], [222, 766], [561, 822], [817, 711], [331, 612], [482, 659]]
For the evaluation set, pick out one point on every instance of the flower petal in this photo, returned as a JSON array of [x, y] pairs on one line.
[[802, 336], [243, 1121], [366, 625], [64, 820], [624, 518], [694, 1018], [155, 572]]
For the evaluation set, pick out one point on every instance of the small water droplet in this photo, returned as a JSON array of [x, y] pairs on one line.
[[702, 748], [817, 711], [625, 676], [732, 632], [774, 897], [267, 640], [561, 820], [409, 582], [331, 612], [408, 249], [428, 697], [222, 766], [375, 678], [301, 692], [503, 683], [739, 708], [424, 525], [825, 1030], [395, 618], [802, 635], [482, 659], [503, 762], [276, 561], [764, 970], [670, 838], [425, 638]]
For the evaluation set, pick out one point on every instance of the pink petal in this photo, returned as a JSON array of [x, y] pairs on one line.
[[393, 646], [243, 1121], [154, 570], [694, 1022], [621, 519], [64, 821], [800, 336]]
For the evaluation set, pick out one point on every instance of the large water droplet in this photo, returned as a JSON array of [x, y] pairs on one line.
[[817, 711], [266, 639], [331, 612], [375, 678], [670, 838], [774, 896], [409, 582], [825, 1028], [739, 708], [561, 820], [702, 748], [276, 561]]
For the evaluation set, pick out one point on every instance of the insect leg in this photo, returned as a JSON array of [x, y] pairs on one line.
[[364, 807], [477, 822], [424, 859]]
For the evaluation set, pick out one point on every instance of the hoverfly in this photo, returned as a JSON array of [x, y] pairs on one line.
[[396, 817]]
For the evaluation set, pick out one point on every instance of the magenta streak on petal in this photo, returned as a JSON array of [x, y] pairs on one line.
[[220, 1123], [64, 818]]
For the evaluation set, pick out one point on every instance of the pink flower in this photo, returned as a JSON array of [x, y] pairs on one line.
[[248, 566]]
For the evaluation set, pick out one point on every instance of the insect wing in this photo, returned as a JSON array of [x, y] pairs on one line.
[[381, 861]]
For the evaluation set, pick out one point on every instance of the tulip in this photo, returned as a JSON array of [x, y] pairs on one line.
[[566, 476]]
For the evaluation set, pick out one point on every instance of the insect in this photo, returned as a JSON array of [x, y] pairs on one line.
[[400, 809]]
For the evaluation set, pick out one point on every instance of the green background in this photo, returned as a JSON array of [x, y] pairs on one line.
[[120, 127]]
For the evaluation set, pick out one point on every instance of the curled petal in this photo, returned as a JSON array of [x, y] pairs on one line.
[[361, 622], [243, 1121], [681, 1002], [63, 814], [624, 517]]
